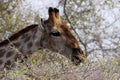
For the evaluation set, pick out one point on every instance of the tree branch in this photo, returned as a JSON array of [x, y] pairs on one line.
[[112, 23], [85, 46]]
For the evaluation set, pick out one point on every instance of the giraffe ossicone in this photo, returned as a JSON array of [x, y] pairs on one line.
[[50, 34]]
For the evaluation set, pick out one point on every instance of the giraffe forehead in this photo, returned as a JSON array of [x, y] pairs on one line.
[[71, 40], [65, 30]]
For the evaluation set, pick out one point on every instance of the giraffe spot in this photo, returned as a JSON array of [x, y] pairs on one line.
[[8, 63], [1, 55], [1, 62], [9, 54], [2, 52], [29, 45], [34, 36], [16, 44], [29, 52], [27, 39], [21, 49], [37, 43]]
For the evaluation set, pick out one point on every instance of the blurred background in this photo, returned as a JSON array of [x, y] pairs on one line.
[[96, 25]]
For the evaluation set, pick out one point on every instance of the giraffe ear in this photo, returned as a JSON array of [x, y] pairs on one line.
[[57, 15], [51, 14], [41, 25]]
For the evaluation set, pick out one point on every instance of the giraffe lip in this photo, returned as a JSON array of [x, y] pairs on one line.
[[76, 60]]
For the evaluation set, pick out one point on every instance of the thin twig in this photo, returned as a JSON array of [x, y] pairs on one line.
[[112, 22], [73, 28]]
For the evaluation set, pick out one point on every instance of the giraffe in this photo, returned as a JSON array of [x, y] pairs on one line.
[[51, 34]]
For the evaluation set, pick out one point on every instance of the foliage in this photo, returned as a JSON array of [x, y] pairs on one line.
[[101, 46], [11, 20]]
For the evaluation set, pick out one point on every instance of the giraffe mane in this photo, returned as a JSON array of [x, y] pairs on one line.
[[16, 35], [68, 33]]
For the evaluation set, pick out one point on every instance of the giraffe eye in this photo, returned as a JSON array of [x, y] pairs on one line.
[[55, 33]]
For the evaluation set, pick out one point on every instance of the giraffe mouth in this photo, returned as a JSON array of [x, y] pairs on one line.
[[76, 60]]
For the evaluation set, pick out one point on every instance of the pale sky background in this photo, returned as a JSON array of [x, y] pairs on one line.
[[41, 7]]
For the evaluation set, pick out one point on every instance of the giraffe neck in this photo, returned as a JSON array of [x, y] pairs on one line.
[[29, 42], [26, 41]]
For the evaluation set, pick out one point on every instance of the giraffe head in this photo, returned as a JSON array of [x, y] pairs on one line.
[[58, 37]]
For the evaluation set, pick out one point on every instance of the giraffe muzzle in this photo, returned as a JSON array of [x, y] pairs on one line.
[[76, 60]]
